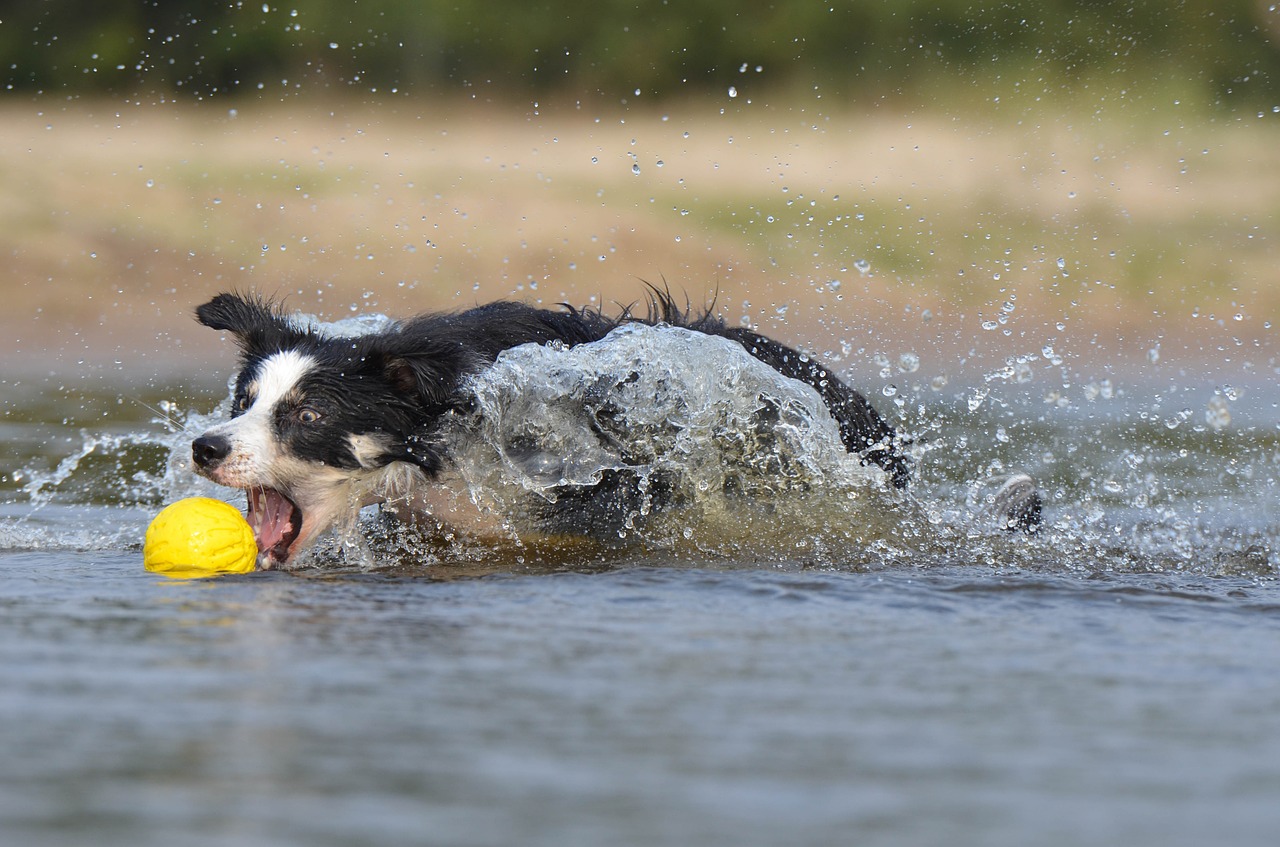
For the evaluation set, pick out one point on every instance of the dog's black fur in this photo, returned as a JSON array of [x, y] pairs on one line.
[[412, 376], [362, 404]]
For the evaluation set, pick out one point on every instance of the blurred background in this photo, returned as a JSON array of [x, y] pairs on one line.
[[1041, 235], [1034, 192]]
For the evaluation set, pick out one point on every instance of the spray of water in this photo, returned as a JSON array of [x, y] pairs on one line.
[[727, 462]]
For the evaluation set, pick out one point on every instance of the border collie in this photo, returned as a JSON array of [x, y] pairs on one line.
[[322, 425]]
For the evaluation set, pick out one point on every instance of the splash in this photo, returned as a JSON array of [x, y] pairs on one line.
[[101, 494], [697, 452], [664, 435]]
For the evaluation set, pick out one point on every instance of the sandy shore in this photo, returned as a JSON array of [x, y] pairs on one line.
[[963, 243]]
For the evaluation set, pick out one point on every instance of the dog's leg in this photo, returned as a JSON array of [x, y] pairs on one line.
[[622, 501], [1016, 505]]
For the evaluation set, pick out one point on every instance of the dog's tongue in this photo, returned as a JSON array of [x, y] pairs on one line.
[[271, 516]]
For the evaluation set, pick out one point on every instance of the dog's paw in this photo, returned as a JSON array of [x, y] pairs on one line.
[[1015, 505]]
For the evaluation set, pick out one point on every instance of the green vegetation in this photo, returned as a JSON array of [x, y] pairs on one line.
[[1219, 51]]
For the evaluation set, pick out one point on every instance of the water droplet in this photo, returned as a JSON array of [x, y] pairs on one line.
[[1099, 390], [733, 91], [635, 168], [1218, 414], [908, 363], [1054, 398], [1062, 264], [862, 266]]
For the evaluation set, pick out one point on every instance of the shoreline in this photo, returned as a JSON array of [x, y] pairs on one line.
[[855, 236]]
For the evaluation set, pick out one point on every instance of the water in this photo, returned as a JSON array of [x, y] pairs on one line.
[[1111, 680], [718, 434]]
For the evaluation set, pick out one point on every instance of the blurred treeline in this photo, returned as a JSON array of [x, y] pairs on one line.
[[1226, 51]]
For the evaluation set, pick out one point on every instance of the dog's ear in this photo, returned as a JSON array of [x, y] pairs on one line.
[[419, 365], [421, 375], [257, 325]]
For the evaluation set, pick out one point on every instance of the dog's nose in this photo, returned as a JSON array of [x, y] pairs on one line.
[[208, 450]]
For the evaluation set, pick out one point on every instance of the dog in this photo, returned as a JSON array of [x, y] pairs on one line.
[[322, 425]]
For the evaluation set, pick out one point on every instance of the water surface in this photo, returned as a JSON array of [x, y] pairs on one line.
[[1111, 680]]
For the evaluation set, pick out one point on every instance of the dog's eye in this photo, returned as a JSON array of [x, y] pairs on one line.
[[242, 404], [308, 416]]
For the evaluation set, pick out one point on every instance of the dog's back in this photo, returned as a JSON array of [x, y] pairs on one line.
[[864, 432]]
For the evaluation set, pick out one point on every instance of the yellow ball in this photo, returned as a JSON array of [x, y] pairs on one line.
[[199, 536]]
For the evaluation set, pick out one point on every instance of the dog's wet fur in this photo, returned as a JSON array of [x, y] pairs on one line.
[[322, 425]]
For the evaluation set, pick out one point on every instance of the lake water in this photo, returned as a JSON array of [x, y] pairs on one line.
[[1111, 680]]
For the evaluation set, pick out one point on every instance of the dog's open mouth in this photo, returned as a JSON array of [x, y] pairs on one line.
[[276, 521]]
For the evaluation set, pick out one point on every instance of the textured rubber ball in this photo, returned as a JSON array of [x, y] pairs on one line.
[[197, 537]]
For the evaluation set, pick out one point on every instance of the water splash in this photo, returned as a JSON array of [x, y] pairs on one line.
[[100, 495], [752, 466], [693, 424]]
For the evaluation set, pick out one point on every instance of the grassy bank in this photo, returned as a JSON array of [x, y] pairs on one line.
[[886, 232]]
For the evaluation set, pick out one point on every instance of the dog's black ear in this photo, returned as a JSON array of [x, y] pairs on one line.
[[425, 376], [422, 363], [256, 324]]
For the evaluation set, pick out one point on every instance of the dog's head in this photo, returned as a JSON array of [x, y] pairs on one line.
[[316, 421]]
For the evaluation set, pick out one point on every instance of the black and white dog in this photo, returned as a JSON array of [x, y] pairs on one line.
[[322, 425]]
